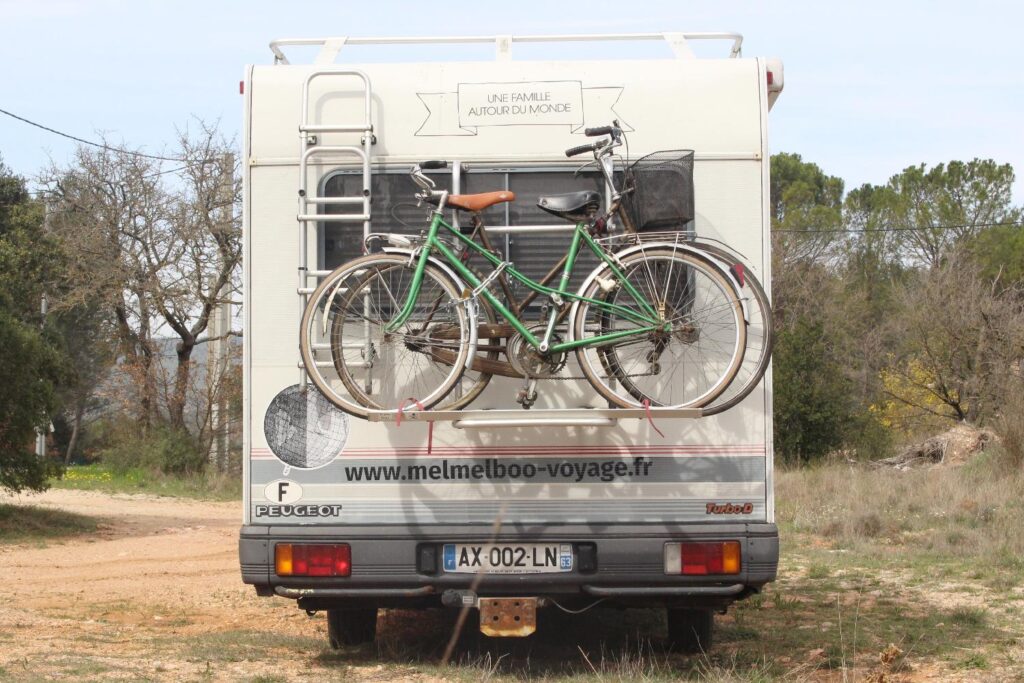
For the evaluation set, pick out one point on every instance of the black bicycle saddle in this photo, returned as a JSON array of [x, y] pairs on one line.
[[572, 206]]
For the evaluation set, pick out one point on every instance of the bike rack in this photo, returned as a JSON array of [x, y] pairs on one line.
[[542, 417], [308, 215]]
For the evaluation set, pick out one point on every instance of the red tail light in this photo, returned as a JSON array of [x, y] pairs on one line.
[[312, 560], [700, 559]]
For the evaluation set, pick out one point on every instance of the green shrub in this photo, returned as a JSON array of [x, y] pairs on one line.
[[868, 438], [812, 395], [162, 449]]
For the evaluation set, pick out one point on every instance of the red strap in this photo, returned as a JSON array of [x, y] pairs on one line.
[[740, 273], [647, 409], [430, 425], [401, 408]]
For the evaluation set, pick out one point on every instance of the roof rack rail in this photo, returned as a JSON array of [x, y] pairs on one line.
[[330, 47]]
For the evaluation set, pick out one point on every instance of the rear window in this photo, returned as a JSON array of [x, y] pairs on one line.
[[393, 209]]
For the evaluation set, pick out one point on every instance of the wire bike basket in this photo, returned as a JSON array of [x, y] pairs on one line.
[[660, 195]]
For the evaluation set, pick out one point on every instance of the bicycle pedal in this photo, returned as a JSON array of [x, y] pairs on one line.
[[525, 398]]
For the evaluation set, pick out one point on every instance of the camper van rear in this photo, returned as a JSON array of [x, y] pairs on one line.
[[493, 506]]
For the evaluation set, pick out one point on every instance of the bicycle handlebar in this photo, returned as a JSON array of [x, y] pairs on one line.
[[600, 130], [593, 147], [432, 164], [574, 151]]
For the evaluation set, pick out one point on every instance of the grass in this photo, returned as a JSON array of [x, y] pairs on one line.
[[19, 523], [601, 645], [973, 661], [939, 514], [98, 477], [82, 667], [235, 646], [923, 559], [789, 634], [819, 571]]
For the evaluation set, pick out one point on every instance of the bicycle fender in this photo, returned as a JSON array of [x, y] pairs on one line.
[[431, 260], [696, 251], [469, 302]]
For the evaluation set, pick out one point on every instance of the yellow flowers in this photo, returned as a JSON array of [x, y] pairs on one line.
[[86, 474], [911, 387]]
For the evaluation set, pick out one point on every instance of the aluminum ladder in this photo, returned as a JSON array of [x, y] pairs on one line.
[[311, 153]]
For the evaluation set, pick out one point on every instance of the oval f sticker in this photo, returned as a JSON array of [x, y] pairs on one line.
[[283, 491]]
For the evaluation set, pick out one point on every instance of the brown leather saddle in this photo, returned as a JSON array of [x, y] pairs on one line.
[[479, 202]]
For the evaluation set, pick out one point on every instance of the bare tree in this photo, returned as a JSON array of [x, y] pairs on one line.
[[107, 208], [963, 340], [157, 247], [205, 272]]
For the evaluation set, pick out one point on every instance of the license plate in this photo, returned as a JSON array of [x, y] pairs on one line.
[[520, 558]]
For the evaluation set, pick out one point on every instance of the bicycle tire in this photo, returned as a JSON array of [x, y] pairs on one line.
[[750, 373], [387, 392], [690, 291]]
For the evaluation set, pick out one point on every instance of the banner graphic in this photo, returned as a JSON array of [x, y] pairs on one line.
[[533, 103]]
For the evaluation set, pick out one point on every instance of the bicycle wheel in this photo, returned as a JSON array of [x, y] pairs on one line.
[[685, 366], [760, 333], [374, 368], [475, 378]]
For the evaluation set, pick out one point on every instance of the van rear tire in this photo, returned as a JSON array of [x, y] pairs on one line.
[[353, 626], [689, 630]]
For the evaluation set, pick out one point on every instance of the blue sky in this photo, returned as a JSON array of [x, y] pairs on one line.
[[871, 87]]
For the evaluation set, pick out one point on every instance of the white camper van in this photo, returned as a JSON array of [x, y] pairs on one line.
[[535, 491]]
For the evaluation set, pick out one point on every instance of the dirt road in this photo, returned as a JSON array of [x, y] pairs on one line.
[[140, 598]]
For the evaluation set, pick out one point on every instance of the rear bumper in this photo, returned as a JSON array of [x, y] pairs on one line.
[[387, 569]]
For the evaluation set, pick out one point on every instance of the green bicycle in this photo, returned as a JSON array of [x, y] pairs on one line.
[[655, 324]]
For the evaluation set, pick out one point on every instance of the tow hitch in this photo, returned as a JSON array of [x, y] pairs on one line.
[[508, 617], [499, 617]]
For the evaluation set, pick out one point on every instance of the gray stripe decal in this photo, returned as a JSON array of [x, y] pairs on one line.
[[692, 468], [483, 512]]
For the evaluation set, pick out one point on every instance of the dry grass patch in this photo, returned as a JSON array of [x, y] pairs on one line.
[[969, 512], [19, 523], [929, 559]]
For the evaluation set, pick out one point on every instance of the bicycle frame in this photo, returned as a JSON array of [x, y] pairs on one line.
[[648, 319]]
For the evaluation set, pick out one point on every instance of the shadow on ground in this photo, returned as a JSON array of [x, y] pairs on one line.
[[618, 642]]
